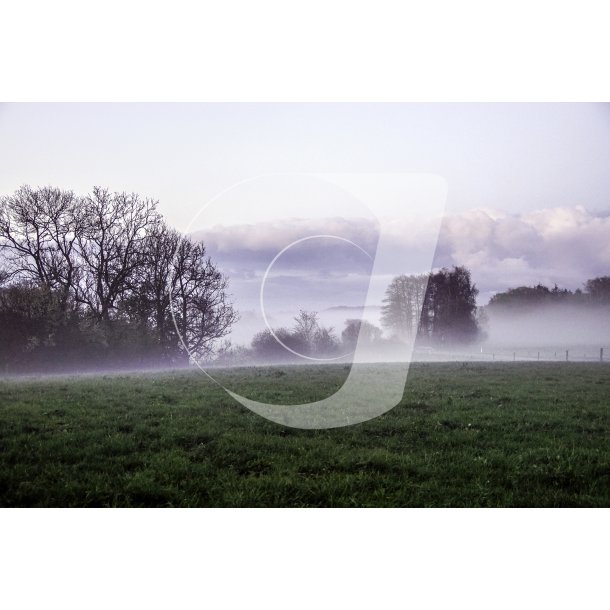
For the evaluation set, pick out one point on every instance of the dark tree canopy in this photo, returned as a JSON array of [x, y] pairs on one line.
[[450, 307], [598, 290], [306, 338], [355, 328], [94, 280], [527, 298], [446, 301]]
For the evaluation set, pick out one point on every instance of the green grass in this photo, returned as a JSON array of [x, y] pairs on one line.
[[464, 435]]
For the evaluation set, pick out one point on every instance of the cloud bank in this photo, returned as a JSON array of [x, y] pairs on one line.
[[563, 245]]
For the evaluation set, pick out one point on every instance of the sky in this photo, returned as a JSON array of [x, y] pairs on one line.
[[527, 184]]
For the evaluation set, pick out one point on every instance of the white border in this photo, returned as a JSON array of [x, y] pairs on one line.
[[304, 559], [321, 50]]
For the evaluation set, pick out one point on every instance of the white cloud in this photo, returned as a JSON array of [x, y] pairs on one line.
[[563, 245], [275, 235], [566, 245]]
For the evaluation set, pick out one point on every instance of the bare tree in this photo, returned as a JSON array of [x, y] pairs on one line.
[[111, 259], [403, 303], [154, 278], [38, 232], [201, 308], [307, 327], [326, 343], [110, 246], [316, 339]]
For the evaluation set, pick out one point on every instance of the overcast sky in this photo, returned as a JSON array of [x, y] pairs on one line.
[[528, 185], [514, 158]]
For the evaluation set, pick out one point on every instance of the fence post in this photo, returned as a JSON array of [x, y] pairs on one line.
[[566, 355], [538, 355], [601, 354], [514, 356]]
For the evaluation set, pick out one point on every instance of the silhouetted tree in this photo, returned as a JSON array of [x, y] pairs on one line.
[[440, 307], [354, 328], [38, 234], [104, 270], [266, 348], [326, 344], [522, 297], [598, 290], [201, 308], [34, 325], [306, 327], [403, 303], [306, 338], [451, 306], [111, 247], [318, 341]]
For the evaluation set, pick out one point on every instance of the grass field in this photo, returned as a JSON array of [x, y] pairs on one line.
[[464, 435]]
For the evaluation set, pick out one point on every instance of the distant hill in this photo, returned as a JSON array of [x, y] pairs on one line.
[[353, 308]]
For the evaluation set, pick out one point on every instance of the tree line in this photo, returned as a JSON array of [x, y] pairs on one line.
[[433, 309], [307, 338], [595, 293], [101, 280]]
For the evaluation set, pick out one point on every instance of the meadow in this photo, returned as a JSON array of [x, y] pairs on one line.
[[465, 435]]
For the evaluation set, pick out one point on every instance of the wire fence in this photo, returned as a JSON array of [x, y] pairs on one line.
[[509, 354]]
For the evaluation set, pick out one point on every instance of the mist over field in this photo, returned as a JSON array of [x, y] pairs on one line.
[[550, 326], [75, 301]]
